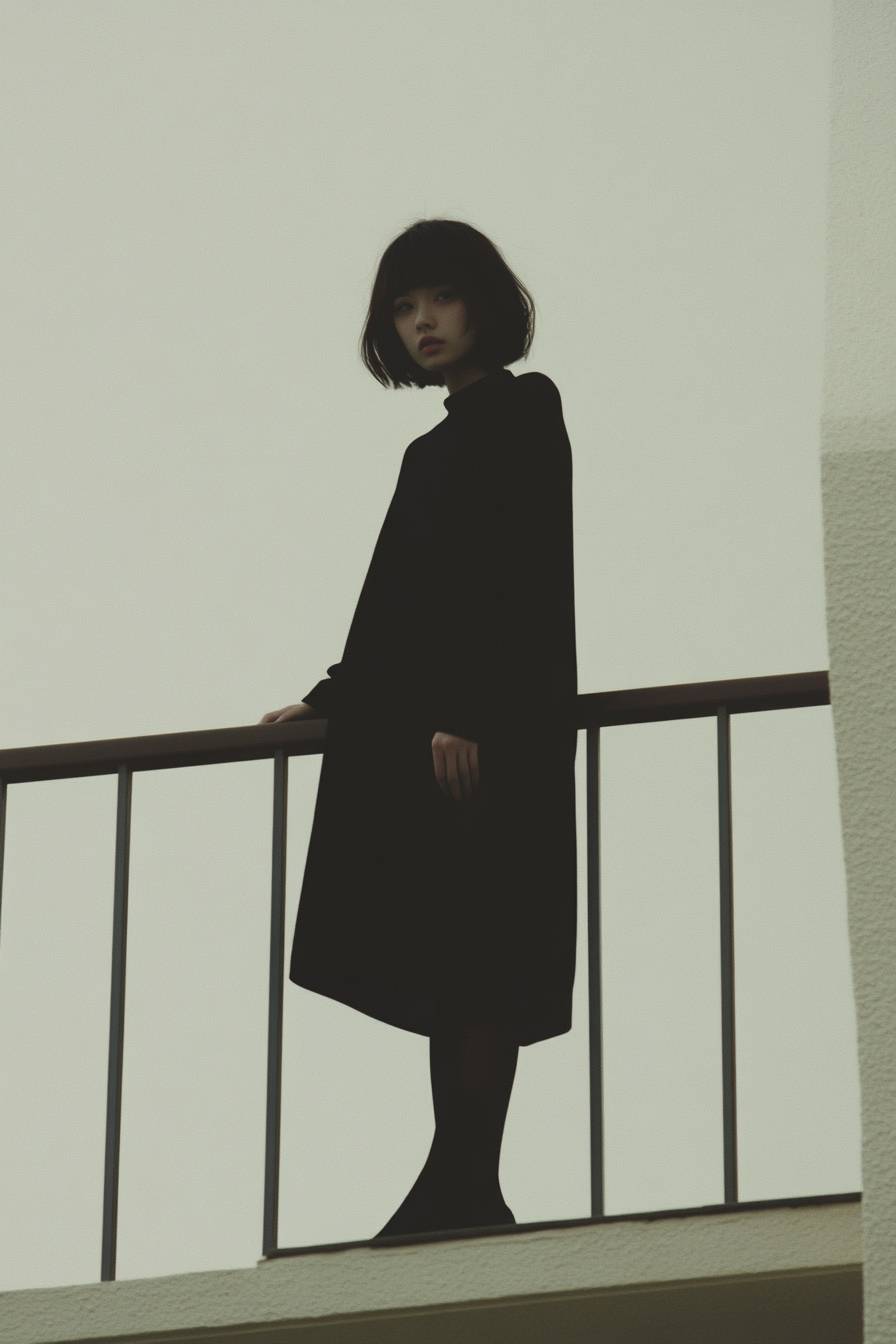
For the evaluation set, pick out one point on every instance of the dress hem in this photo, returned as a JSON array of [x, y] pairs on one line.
[[553, 1018]]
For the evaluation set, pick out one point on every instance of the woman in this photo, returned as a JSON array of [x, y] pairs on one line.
[[439, 892]]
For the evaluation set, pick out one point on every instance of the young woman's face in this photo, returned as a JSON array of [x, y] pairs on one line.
[[438, 311]]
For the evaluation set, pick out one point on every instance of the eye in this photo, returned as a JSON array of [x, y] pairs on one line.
[[442, 293]]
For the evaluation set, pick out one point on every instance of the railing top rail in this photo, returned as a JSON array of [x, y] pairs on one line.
[[688, 700], [302, 737]]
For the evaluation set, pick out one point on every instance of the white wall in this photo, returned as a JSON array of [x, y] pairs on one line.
[[196, 465]]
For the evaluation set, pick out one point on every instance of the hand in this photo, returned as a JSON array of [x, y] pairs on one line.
[[299, 711], [456, 764]]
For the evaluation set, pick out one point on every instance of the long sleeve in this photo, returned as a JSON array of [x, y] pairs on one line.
[[324, 695], [366, 669], [507, 587]]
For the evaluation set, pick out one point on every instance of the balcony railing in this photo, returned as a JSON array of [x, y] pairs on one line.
[[124, 755]]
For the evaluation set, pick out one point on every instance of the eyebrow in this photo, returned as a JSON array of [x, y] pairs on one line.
[[402, 294]]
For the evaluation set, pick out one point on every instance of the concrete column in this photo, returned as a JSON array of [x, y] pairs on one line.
[[858, 488]]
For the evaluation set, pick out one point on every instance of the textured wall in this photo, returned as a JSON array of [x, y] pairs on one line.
[[858, 479]]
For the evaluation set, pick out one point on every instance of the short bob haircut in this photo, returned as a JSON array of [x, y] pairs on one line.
[[446, 252]]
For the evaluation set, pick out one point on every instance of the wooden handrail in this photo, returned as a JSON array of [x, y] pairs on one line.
[[303, 737]]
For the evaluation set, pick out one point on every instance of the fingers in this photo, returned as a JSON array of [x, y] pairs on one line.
[[438, 766], [465, 773], [456, 766]]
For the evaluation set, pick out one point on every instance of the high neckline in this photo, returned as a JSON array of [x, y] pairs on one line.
[[477, 394]]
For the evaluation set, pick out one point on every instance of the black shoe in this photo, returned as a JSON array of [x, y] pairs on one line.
[[410, 1218]]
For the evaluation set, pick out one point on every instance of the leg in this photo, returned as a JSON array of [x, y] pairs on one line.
[[472, 1068]]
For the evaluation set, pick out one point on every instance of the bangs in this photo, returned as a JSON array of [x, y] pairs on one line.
[[421, 261]]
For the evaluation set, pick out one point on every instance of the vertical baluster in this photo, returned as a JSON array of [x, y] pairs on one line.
[[726, 931], [595, 1015], [116, 1022], [2, 832], [275, 1006]]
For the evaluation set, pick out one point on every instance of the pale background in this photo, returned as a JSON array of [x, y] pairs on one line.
[[195, 468]]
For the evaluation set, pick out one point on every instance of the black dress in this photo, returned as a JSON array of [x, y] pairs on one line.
[[416, 909]]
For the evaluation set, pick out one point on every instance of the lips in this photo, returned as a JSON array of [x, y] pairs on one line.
[[428, 342]]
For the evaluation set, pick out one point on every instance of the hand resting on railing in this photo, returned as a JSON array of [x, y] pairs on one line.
[[299, 711]]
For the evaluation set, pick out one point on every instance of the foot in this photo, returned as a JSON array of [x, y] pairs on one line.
[[479, 1213], [430, 1211]]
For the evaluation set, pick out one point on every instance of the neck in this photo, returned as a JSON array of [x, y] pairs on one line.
[[455, 378]]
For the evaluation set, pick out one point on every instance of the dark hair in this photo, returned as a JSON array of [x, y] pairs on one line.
[[449, 252]]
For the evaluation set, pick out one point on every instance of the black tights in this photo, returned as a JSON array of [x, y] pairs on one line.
[[472, 1068]]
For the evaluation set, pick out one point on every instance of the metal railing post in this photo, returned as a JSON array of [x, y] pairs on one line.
[[275, 1006], [726, 935], [595, 1015], [116, 1023]]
